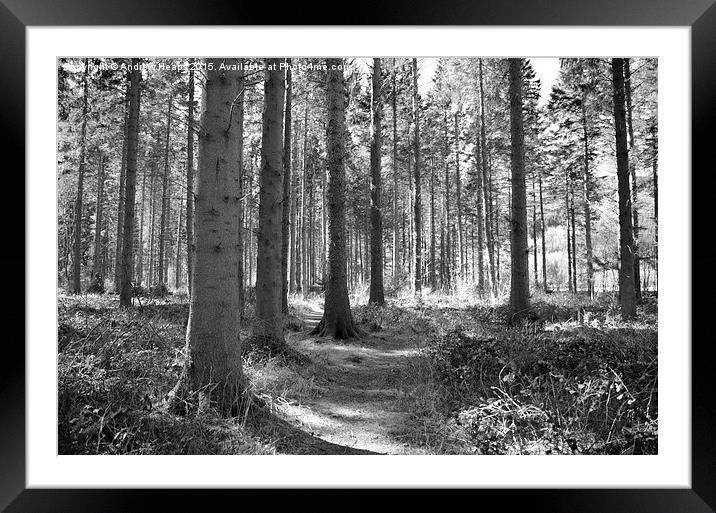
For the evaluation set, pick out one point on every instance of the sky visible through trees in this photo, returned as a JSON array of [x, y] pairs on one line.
[[266, 212]]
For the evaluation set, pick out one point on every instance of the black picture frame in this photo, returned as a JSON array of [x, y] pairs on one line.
[[16, 15]]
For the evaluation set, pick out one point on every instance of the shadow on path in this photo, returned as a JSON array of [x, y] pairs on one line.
[[290, 439], [358, 408]]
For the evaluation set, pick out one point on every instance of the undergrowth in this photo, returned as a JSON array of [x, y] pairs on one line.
[[576, 380], [116, 367]]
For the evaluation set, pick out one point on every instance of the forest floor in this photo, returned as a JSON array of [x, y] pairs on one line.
[[357, 404], [439, 375]]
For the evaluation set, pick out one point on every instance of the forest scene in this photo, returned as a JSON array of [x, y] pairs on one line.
[[357, 256]]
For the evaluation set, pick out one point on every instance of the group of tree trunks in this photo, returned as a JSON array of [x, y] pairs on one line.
[[214, 247]]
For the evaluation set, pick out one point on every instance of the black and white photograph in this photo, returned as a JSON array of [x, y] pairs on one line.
[[357, 255]]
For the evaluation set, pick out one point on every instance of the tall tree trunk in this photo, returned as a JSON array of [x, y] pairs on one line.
[[97, 261], [431, 269], [77, 242], [324, 223], [292, 235], [587, 203], [303, 285], [177, 266], [394, 101], [163, 220], [534, 234], [655, 186], [496, 220], [214, 363], [574, 235], [152, 224], [190, 182], [448, 251], [479, 220], [486, 190], [519, 284], [376, 214], [569, 237], [458, 198], [268, 328], [239, 108], [311, 266], [417, 201], [250, 225], [140, 250], [296, 224], [168, 243], [125, 294], [443, 281], [409, 215], [632, 173], [542, 228], [120, 203], [286, 202], [337, 318], [627, 288]]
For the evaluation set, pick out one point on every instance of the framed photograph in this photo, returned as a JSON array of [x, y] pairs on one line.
[[501, 347]]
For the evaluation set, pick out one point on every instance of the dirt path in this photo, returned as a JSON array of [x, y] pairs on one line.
[[358, 406]]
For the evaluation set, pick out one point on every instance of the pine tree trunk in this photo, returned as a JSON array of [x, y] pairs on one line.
[[163, 219], [655, 188], [324, 223], [394, 100], [97, 261], [519, 284], [627, 288], [303, 285], [337, 318], [534, 234], [417, 200], [126, 286], [496, 220], [120, 203], [569, 237], [213, 365], [486, 189], [190, 183], [140, 250], [311, 264], [293, 217], [250, 225], [77, 242], [411, 220], [458, 198], [376, 214], [169, 242], [574, 235], [152, 224], [238, 107], [296, 259], [448, 251], [177, 265], [268, 326], [431, 269], [286, 202], [632, 173], [587, 203], [480, 219], [542, 228]]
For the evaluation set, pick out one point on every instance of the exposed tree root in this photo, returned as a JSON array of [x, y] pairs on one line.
[[338, 330]]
